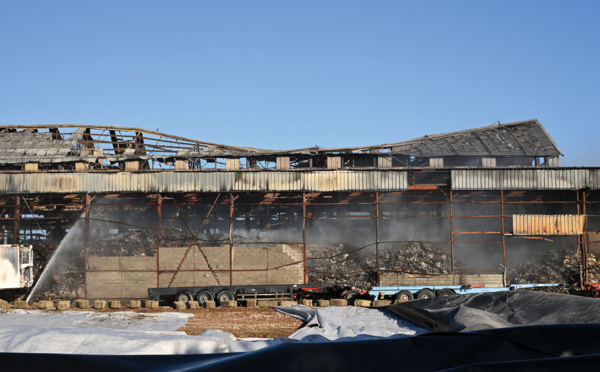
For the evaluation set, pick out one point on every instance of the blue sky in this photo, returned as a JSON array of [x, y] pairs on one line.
[[290, 74]]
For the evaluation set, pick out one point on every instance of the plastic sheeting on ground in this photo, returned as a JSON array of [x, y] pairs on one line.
[[85, 332], [543, 346]]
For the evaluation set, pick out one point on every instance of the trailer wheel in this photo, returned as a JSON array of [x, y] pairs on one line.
[[446, 292], [404, 295], [351, 296], [424, 294], [225, 295], [203, 296], [184, 296]]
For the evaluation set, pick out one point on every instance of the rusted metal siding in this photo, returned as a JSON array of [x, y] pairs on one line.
[[546, 224], [526, 179], [195, 181]]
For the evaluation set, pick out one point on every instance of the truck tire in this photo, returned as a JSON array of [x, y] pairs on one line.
[[446, 292], [203, 296], [425, 293], [225, 295], [351, 296], [405, 296], [184, 296]]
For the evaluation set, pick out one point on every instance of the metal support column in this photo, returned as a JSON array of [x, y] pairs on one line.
[[231, 239], [304, 236], [377, 235], [86, 236], [452, 237], [158, 232], [17, 221]]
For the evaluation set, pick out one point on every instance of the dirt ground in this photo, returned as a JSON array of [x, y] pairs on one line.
[[242, 322], [239, 321]]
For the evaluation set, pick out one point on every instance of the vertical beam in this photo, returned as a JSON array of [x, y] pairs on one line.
[[580, 256], [585, 239], [502, 230], [86, 237], [17, 221], [158, 231], [304, 235], [452, 237], [377, 234], [231, 239]]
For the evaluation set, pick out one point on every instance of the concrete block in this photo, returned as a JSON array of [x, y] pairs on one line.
[[251, 303], [114, 304], [362, 303], [210, 304], [193, 304], [323, 303], [339, 302], [82, 304], [149, 304], [20, 304], [228, 303], [135, 304], [381, 303], [287, 303], [43, 305], [267, 303], [179, 305], [99, 304], [307, 303], [64, 305]]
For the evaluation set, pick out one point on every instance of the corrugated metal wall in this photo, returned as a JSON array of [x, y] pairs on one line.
[[217, 181], [525, 179], [544, 224]]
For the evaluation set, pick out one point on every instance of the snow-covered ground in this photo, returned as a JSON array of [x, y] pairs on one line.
[[83, 332]]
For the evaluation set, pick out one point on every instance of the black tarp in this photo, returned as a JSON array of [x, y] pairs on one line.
[[531, 342]]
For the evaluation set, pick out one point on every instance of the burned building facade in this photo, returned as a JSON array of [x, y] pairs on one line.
[[124, 209]]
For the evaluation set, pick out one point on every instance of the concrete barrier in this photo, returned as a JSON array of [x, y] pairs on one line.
[[82, 304], [135, 304], [20, 304], [267, 303], [339, 302], [179, 305], [210, 304], [99, 305], [228, 303], [193, 304], [381, 303], [64, 305], [149, 304], [362, 303], [114, 304], [323, 303], [44, 305]]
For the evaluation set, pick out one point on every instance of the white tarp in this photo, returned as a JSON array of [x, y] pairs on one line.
[[84, 332]]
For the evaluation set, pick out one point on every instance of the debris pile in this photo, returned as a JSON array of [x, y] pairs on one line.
[[557, 266], [337, 265]]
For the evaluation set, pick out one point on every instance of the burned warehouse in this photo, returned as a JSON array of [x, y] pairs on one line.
[[113, 211]]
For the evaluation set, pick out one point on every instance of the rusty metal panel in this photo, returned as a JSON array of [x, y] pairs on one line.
[[526, 179], [204, 181], [548, 224]]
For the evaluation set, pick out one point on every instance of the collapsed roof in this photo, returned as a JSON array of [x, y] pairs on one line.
[[20, 144]]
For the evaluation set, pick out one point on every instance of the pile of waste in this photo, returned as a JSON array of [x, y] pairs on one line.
[[556, 266], [356, 267]]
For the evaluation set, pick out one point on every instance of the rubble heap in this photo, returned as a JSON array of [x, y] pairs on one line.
[[557, 266], [338, 265]]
